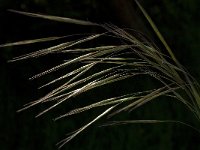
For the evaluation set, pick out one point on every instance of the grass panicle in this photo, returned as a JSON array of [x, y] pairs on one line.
[[132, 56]]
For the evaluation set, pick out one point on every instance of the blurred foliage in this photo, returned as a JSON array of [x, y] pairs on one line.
[[177, 20]]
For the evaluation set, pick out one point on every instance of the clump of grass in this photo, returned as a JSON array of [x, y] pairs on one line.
[[132, 56]]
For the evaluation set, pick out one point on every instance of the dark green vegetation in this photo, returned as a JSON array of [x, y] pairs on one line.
[[180, 27]]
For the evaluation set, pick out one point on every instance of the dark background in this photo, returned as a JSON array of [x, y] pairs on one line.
[[177, 20]]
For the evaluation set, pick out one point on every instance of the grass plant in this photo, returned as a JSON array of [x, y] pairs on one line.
[[133, 55]]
